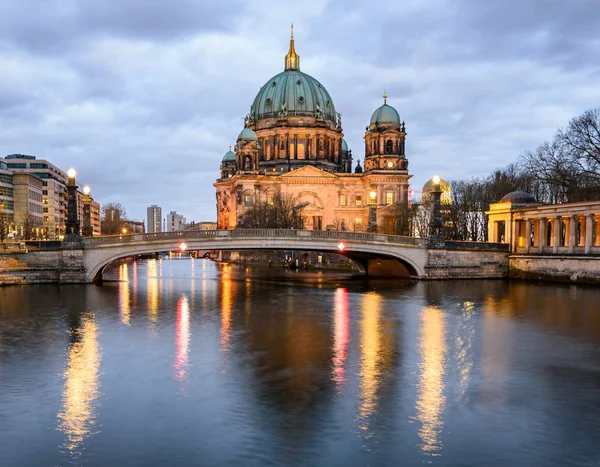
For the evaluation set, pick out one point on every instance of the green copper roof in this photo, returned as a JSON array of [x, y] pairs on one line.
[[292, 92], [385, 114], [344, 145], [229, 156], [247, 134]]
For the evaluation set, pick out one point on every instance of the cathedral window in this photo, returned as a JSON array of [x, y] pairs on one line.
[[270, 198], [358, 201], [389, 197], [389, 146], [248, 199], [343, 199], [372, 198]]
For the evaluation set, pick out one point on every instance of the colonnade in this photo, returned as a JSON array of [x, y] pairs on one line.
[[557, 233]]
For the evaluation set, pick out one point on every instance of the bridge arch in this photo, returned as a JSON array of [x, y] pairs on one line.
[[359, 247]]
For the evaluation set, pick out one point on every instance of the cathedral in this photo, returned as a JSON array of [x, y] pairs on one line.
[[293, 143]]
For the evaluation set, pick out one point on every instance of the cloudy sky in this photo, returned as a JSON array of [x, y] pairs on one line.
[[143, 97]]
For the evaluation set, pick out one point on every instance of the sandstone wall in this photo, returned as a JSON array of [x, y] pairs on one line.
[[39, 267], [581, 269], [470, 264]]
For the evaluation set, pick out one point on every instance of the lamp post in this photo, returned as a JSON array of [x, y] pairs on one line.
[[87, 230], [436, 238], [73, 234]]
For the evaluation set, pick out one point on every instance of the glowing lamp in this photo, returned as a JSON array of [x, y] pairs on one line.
[[71, 172], [86, 190], [341, 246], [372, 194], [182, 246], [124, 230], [436, 179]]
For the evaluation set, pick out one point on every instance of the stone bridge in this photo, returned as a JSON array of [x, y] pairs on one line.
[[367, 250], [83, 261]]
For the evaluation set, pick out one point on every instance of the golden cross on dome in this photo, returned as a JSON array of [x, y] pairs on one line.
[[292, 36], [384, 97]]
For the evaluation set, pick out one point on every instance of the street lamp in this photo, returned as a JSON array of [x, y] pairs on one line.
[[436, 239], [124, 230], [73, 234]]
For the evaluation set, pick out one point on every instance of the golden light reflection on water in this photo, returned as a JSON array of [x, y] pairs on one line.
[[124, 295], [81, 390], [226, 301], [430, 389], [371, 355], [182, 338], [341, 337], [153, 290]]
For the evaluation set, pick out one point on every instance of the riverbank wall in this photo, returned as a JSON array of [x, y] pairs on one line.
[[287, 259], [574, 269]]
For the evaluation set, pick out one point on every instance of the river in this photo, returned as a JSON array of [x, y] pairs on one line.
[[188, 362]]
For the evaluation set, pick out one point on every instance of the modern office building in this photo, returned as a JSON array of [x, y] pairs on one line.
[[6, 201], [154, 219], [54, 193], [175, 222], [28, 206]]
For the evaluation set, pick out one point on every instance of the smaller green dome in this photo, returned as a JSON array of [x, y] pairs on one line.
[[385, 114], [229, 156], [344, 145], [247, 134]]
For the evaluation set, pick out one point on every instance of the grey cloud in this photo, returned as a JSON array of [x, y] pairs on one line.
[[144, 97]]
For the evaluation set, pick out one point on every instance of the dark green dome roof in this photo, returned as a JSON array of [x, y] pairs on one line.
[[229, 156], [247, 134], [385, 114], [292, 92], [344, 145]]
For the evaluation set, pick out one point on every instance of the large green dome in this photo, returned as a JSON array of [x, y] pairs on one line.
[[385, 114], [291, 93]]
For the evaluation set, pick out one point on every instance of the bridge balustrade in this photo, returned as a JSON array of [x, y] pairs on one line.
[[245, 233]]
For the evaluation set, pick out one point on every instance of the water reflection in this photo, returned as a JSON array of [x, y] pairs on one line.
[[154, 286], [124, 294], [81, 391], [371, 354], [182, 338], [430, 391], [226, 300], [463, 347], [341, 337]]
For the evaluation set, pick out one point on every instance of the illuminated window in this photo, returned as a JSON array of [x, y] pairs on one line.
[[270, 198], [389, 197], [343, 200], [358, 201], [248, 199], [358, 221]]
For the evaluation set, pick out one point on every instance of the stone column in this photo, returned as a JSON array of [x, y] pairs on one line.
[[527, 235], [589, 224], [572, 231], [514, 237], [542, 234], [597, 239], [555, 236]]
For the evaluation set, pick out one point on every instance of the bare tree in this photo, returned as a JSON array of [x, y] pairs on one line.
[[114, 217], [281, 212]]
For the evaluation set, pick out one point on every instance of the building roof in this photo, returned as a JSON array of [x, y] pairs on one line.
[[292, 92], [385, 114], [247, 134], [344, 145], [519, 197], [229, 156]]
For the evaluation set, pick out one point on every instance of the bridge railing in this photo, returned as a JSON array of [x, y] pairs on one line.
[[248, 233]]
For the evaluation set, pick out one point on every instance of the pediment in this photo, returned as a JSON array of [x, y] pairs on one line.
[[391, 209], [308, 171], [307, 206]]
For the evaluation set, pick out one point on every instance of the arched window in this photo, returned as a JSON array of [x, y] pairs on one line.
[[389, 147], [248, 199]]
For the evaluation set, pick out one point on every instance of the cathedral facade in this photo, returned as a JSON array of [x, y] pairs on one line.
[[292, 143]]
